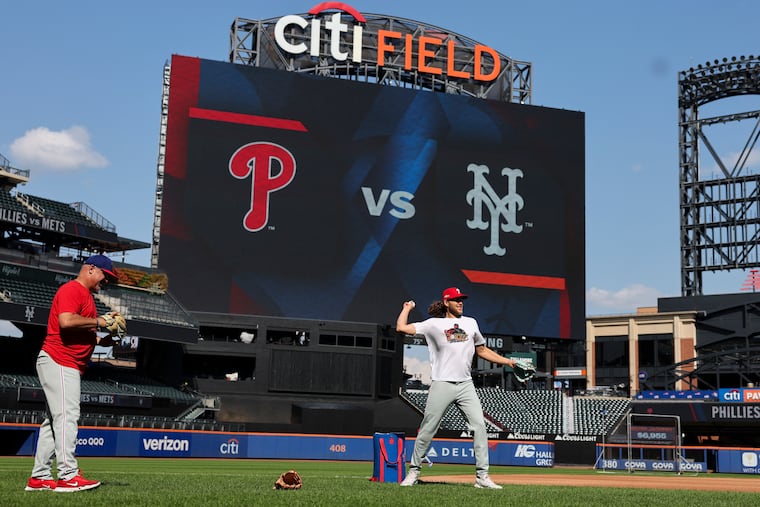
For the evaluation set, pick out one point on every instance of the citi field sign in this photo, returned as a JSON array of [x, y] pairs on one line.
[[335, 22]]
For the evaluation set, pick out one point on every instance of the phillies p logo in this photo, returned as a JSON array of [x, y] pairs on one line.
[[260, 160]]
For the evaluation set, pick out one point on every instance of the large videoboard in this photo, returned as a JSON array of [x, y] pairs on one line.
[[321, 198]]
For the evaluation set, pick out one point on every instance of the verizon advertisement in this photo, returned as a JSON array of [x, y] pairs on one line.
[[299, 196]]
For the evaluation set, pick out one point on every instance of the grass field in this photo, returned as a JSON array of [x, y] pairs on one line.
[[212, 482]]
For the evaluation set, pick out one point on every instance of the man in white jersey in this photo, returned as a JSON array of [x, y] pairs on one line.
[[452, 340]]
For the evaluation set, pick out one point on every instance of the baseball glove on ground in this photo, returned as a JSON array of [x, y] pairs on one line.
[[288, 480], [115, 324], [523, 370]]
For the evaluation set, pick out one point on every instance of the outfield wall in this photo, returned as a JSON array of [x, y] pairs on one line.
[[20, 439], [200, 444]]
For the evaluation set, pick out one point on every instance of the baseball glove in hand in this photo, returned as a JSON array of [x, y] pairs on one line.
[[288, 480], [114, 324], [523, 370]]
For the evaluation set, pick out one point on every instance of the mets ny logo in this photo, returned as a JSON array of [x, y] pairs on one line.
[[492, 212]]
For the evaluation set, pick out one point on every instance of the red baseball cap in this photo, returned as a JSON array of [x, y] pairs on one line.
[[453, 293]]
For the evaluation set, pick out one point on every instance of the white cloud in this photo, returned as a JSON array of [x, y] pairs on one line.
[[750, 164], [751, 160], [417, 368], [65, 150], [624, 300]]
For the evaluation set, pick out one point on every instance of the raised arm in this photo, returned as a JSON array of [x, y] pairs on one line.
[[402, 322]]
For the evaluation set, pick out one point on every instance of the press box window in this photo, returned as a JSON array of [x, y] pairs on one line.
[[288, 337], [343, 340]]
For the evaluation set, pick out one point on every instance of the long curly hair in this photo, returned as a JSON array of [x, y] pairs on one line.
[[437, 309]]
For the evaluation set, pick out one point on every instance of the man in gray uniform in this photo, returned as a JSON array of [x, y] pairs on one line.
[[452, 340]]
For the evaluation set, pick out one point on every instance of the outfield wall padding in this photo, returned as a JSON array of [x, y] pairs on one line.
[[158, 443]]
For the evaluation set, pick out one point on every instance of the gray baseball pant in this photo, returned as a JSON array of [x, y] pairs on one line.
[[58, 431], [440, 396]]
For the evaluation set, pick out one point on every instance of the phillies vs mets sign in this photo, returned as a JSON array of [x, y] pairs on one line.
[[302, 196], [297, 35]]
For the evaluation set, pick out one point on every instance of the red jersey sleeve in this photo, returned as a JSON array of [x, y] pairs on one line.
[[71, 347]]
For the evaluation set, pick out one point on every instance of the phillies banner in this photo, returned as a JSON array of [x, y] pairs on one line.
[[301, 196]]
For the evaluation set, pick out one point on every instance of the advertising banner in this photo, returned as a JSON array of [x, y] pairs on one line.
[[518, 453], [739, 395], [186, 444], [738, 461], [650, 465], [96, 442]]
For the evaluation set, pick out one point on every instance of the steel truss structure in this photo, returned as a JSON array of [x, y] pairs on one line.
[[160, 169], [252, 42], [719, 218], [730, 366]]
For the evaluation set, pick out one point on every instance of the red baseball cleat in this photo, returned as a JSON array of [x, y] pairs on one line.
[[35, 484], [76, 483]]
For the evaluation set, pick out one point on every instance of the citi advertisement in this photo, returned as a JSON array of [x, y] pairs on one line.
[[220, 446], [739, 395], [309, 197]]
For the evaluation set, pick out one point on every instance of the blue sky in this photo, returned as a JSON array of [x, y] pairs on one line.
[[80, 96]]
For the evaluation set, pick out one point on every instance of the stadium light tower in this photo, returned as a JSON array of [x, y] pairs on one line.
[[720, 217]]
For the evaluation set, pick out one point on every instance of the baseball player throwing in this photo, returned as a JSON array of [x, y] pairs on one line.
[[452, 341]]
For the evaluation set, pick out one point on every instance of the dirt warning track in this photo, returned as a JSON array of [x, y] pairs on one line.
[[702, 482]]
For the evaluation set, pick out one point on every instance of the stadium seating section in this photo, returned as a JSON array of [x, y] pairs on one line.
[[147, 305], [10, 202], [535, 412], [64, 212], [112, 381], [33, 285], [33, 265]]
